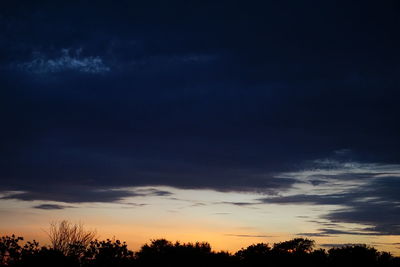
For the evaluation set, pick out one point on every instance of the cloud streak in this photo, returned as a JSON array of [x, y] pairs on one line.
[[83, 194], [41, 64], [365, 194], [51, 207]]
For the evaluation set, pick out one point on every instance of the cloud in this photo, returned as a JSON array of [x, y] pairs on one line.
[[313, 234], [385, 243], [40, 64], [362, 193], [51, 207], [151, 192], [131, 205], [307, 199], [73, 195], [216, 107], [376, 204], [240, 204], [330, 232], [84, 194]]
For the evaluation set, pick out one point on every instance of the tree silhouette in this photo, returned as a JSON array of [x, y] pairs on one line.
[[107, 253], [354, 255], [10, 249], [71, 239], [254, 255], [296, 245], [161, 252]]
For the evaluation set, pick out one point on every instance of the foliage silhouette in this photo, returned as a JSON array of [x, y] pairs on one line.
[[356, 255], [164, 252], [10, 250], [161, 252], [254, 255], [296, 245], [107, 253]]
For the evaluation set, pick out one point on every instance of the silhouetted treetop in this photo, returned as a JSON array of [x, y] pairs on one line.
[[296, 245]]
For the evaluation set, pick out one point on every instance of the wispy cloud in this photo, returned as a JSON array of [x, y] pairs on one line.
[[241, 204], [66, 61], [313, 234], [333, 245], [83, 194], [363, 193], [331, 232], [51, 207]]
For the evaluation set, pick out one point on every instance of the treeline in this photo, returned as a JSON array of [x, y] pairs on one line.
[[160, 252]]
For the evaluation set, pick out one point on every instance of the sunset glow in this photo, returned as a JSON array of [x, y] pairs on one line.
[[226, 122]]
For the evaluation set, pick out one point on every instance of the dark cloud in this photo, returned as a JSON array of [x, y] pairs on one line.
[[239, 203], [317, 182], [380, 208], [75, 194], [383, 218], [374, 203], [51, 207], [72, 195], [330, 232], [160, 94], [151, 192]]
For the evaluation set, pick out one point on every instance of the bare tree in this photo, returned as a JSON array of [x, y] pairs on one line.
[[70, 238]]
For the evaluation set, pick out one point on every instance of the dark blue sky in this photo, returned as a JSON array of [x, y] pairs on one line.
[[224, 95]]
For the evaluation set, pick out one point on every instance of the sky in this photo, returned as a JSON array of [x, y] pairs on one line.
[[232, 122]]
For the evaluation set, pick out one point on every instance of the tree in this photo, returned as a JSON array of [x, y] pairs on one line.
[[163, 252], [354, 255], [108, 253], [70, 238], [296, 245], [10, 250], [254, 255]]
